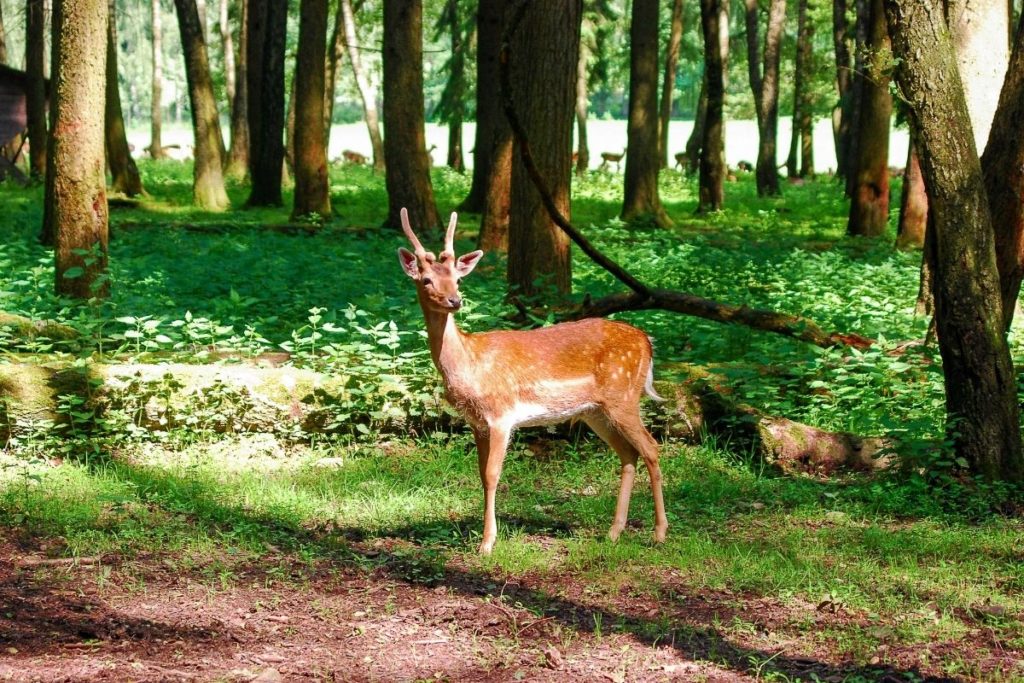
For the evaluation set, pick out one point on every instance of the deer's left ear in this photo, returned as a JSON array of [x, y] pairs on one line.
[[465, 264], [408, 261]]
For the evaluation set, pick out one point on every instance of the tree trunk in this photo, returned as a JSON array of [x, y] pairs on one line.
[[156, 110], [407, 173], [582, 100], [227, 52], [545, 54], [312, 185], [3, 39], [265, 78], [289, 131], [696, 139], [489, 118], [641, 200], [869, 206], [981, 388], [712, 153], [913, 204], [208, 177], [238, 156], [856, 92], [841, 112], [765, 87], [367, 92], [802, 139], [76, 187], [35, 99], [455, 89], [124, 174], [675, 39], [335, 51], [1003, 164]]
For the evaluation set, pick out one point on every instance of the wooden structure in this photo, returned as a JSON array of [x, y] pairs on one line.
[[13, 122]]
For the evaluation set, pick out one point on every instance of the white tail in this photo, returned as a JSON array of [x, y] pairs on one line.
[[595, 370]]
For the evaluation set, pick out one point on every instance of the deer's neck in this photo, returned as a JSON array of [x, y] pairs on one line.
[[447, 343]]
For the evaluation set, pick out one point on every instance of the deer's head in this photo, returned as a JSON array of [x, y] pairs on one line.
[[437, 277]]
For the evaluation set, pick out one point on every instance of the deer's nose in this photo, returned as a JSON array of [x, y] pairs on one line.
[[455, 301]]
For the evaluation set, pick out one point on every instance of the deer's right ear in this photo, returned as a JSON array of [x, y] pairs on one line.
[[408, 261]]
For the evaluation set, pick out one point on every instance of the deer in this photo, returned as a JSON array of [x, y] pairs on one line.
[[353, 157], [612, 157], [594, 370]]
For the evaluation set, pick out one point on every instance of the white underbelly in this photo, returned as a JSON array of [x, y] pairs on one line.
[[535, 414]]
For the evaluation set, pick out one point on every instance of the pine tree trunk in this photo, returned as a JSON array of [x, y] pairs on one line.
[[641, 200], [675, 39], [407, 174], [582, 101], [238, 156], [76, 187], [489, 117], [869, 205], [696, 139], [981, 388], [124, 174], [35, 100], [913, 204], [156, 111], [544, 59], [312, 185], [208, 178], [1003, 165], [266, 105], [841, 112], [367, 93], [712, 152]]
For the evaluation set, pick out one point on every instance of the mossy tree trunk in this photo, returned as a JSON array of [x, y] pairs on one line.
[[696, 139], [712, 152], [367, 91], [76, 183], [312, 185], [913, 204], [765, 86], [668, 83], [407, 173], [238, 155], [981, 388], [582, 102], [544, 58], [35, 97], [207, 175], [869, 202], [124, 174], [156, 109], [266, 105], [800, 161], [640, 196]]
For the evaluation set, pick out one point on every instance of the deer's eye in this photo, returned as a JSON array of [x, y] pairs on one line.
[[427, 282]]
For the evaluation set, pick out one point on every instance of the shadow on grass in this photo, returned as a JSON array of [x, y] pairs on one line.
[[430, 565]]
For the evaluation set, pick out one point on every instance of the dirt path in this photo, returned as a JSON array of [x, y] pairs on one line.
[[275, 619]]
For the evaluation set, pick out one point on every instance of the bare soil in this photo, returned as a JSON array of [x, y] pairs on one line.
[[274, 618]]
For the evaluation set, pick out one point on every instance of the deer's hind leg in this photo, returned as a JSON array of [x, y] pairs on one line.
[[628, 456]]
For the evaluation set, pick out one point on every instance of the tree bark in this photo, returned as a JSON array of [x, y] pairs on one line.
[[208, 178], [367, 92], [76, 186], [641, 200], [266, 105], [765, 87], [124, 174], [545, 54], [489, 118], [35, 99], [981, 389], [913, 204], [227, 52], [407, 173], [869, 205], [1003, 165], [712, 153], [800, 162], [696, 139], [675, 39], [312, 185], [238, 156], [842, 111], [856, 92], [582, 102], [156, 110], [455, 89], [3, 39]]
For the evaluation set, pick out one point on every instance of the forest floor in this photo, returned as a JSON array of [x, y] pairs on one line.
[[281, 619]]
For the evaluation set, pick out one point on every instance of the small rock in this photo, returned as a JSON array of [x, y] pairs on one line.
[[553, 658], [836, 516]]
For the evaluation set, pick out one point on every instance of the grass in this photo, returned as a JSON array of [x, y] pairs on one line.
[[895, 560]]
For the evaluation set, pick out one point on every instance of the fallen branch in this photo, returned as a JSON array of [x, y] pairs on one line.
[[30, 562], [296, 404], [644, 296]]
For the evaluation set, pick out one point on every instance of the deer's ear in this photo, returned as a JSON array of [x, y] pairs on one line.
[[408, 261], [465, 264]]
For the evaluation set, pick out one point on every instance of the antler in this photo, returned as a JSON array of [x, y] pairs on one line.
[[417, 247], [449, 237]]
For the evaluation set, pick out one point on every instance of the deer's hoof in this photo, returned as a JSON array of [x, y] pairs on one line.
[[614, 532], [485, 547], [660, 533]]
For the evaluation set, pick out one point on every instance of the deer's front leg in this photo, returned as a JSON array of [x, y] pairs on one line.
[[490, 447]]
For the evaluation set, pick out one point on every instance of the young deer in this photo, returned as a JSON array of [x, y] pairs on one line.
[[595, 370]]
